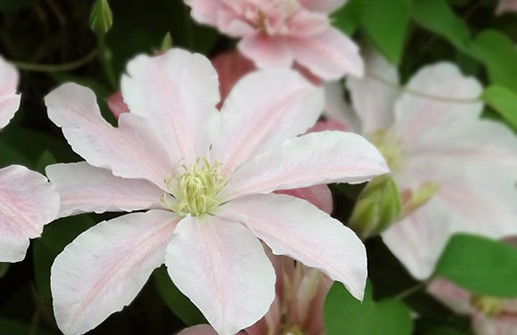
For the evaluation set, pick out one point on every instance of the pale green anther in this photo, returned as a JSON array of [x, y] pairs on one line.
[[490, 306], [196, 190], [390, 147]]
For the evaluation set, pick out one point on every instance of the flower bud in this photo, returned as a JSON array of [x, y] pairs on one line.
[[101, 17], [377, 207]]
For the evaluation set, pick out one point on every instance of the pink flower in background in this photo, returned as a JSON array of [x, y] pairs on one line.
[[455, 170], [279, 33], [27, 200], [117, 105], [298, 305], [205, 179], [489, 315], [506, 6]]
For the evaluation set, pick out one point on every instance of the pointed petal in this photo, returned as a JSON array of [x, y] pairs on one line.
[[415, 114], [264, 109], [177, 93], [329, 55], [297, 229], [372, 96], [27, 202], [266, 51], [316, 158], [130, 151], [223, 269], [325, 6], [9, 100], [105, 267], [84, 188]]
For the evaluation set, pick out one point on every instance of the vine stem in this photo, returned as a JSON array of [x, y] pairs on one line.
[[56, 67]]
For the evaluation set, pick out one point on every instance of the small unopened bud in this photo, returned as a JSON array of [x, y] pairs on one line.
[[166, 43], [101, 17], [377, 207]]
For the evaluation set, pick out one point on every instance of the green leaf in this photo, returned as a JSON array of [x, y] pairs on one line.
[[348, 17], [438, 17], [497, 51], [480, 265], [503, 101], [20, 328], [343, 314], [386, 23], [178, 303]]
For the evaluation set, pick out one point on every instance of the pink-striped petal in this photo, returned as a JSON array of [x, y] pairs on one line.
[[372, 96], [177, 93], [318, 195], [84, 189], [304, 23], [267, 51], [27, 202], [132, 150], [316, 158], [105, 267], [9, 100], [325, 6], [297, 229], [223, 269], [329, 55], [264, 109]]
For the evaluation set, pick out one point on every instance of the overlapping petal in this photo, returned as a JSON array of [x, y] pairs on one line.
[[84, 188], [325, 6], [295, 228], [318, 195], [132, 150], [316, 158], [104, 268], [9, 100], [177, 93], [328, 55], [266, 51], [223, 269], [27, 202], [255, 117]]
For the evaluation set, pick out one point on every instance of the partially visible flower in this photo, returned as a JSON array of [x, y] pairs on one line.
[[454, 170], [205, 177], [279, 33], [506, 6], [27, 200], [298, 305], [489, 315], [117, 105]]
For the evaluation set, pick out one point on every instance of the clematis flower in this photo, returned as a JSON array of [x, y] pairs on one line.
[[204, 179], [298, 305], [453, 169], [27, 200], [506, 6], [278, 33], [489, 315]]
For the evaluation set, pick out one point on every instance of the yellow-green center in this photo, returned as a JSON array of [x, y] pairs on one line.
[[490, 306], [196, 189], [390, 147]]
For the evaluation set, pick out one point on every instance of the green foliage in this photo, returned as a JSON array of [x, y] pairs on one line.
[[503, 101], [480, 265], [344, 314]]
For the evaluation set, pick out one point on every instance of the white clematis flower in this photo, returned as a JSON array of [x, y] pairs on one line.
[[205, 179]]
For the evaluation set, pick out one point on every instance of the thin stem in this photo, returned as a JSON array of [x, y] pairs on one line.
[[56, 67], [422, 94], [412, 290]]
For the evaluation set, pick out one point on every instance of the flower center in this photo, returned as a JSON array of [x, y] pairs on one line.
[[196, 190], [490, 306], [271, 16], [390, 147]]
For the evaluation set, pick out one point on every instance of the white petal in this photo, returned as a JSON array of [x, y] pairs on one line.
[[223, 269], [177, 92], [84, 188], [296, 228], [9, 100], [264, 109], [374, 95], [131, 150], [442, 85], [27, 202], [105, 267], [316, 158]]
